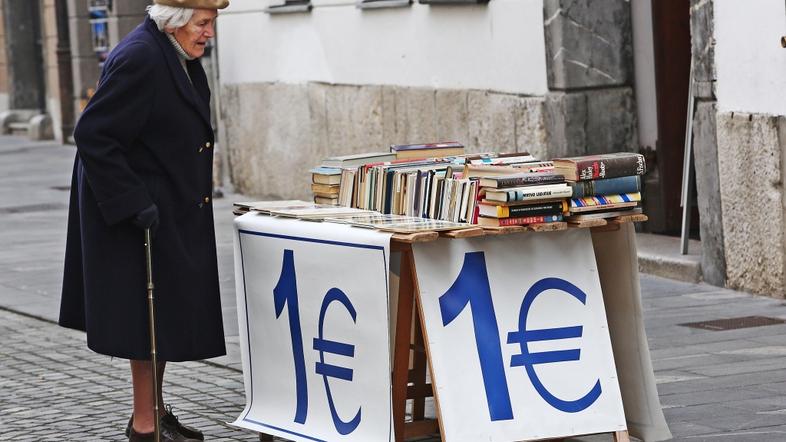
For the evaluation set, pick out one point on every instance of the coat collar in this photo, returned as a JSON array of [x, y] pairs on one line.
[[196, 92]]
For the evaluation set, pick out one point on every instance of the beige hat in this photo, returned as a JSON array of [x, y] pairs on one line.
[[196, 4]]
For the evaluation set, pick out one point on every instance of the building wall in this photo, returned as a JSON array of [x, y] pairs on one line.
[[51, 72], [644, 62], [740, 63], [124, 16], [496, 47], [749, 60], [512, 75], [3, 65]]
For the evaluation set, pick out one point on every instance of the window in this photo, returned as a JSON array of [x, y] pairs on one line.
[[453, 2], [290, 6], [375, 4]]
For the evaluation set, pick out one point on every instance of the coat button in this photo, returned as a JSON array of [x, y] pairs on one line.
[[207, 199], [208, 144]]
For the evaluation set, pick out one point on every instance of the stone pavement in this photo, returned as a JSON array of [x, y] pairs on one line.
[[714, 385]]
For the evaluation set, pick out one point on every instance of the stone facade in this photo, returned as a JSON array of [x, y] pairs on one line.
[[705, 144], [279, 126], [591, 106], [750, 164], [705, 154], [588, 43]]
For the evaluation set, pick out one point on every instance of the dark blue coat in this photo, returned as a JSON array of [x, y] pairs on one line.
[[145, 137]]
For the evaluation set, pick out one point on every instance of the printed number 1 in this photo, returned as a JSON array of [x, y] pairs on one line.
[[285, 293], [472, 287]]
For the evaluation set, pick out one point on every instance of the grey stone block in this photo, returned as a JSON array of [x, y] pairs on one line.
[[318, 120], [703, 45], [592, 121], [705, 154], [256, 155], [492, 121], [452, 115], [41, 128], [531, 133], [611, 121], [565, 119], [355, 117], [588, 43], [750, 158], [415, 115]]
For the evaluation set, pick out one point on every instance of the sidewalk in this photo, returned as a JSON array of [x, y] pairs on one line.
[[714, 385]]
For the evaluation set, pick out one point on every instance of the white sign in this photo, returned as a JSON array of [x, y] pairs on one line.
[[312, 304], [517, 334]]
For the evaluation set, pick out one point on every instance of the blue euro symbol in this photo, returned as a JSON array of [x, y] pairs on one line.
[[323, 346], [529, 360]]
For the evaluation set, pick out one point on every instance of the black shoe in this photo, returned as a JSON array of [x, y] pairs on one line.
[[167, 435], [170, 420], [170, 425]]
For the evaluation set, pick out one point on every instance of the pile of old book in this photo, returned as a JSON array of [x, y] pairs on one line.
[[439, 181], [603, 186]]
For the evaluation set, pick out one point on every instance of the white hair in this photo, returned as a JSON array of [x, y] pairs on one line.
[[169, 16]]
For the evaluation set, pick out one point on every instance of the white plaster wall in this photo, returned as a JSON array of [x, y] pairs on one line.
[[499, 46], [750, 63], [644, 61]]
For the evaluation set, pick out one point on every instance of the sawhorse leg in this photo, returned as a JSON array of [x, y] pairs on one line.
[[405, 342]]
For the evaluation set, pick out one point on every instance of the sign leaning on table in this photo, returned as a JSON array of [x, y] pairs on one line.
[[313, 312], [517, 337]]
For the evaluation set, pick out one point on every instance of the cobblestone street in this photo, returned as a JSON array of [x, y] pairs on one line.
[[53, 388]]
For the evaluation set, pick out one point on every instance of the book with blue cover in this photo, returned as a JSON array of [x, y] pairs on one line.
[[611, 186]]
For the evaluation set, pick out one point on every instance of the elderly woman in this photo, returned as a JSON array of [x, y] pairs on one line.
[[144, 160]]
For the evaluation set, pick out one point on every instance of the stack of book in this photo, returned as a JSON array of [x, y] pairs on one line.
[[522, 199], [326, 178], [325, 184], [603, 186]]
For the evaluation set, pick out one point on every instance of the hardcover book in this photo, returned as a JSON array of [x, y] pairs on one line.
[[325, 175], [497, 211], [530, 193], [605, 214], [429, 150], [520, 221], [357, 159], [521, 179], [625, 184], [593, 167], [599, 200]]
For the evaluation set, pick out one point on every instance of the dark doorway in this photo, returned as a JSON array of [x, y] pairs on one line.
[[672, 49]]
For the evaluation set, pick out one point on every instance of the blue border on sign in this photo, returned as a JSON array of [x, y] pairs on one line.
[[248, 331]]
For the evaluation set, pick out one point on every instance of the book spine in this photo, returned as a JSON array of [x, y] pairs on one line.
[[600, 200], [537, 209], [529, 220], [534, 179], [525, 195], [611, 186], [602, 168]]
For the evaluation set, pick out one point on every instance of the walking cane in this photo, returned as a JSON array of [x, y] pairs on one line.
[[152, 321]]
